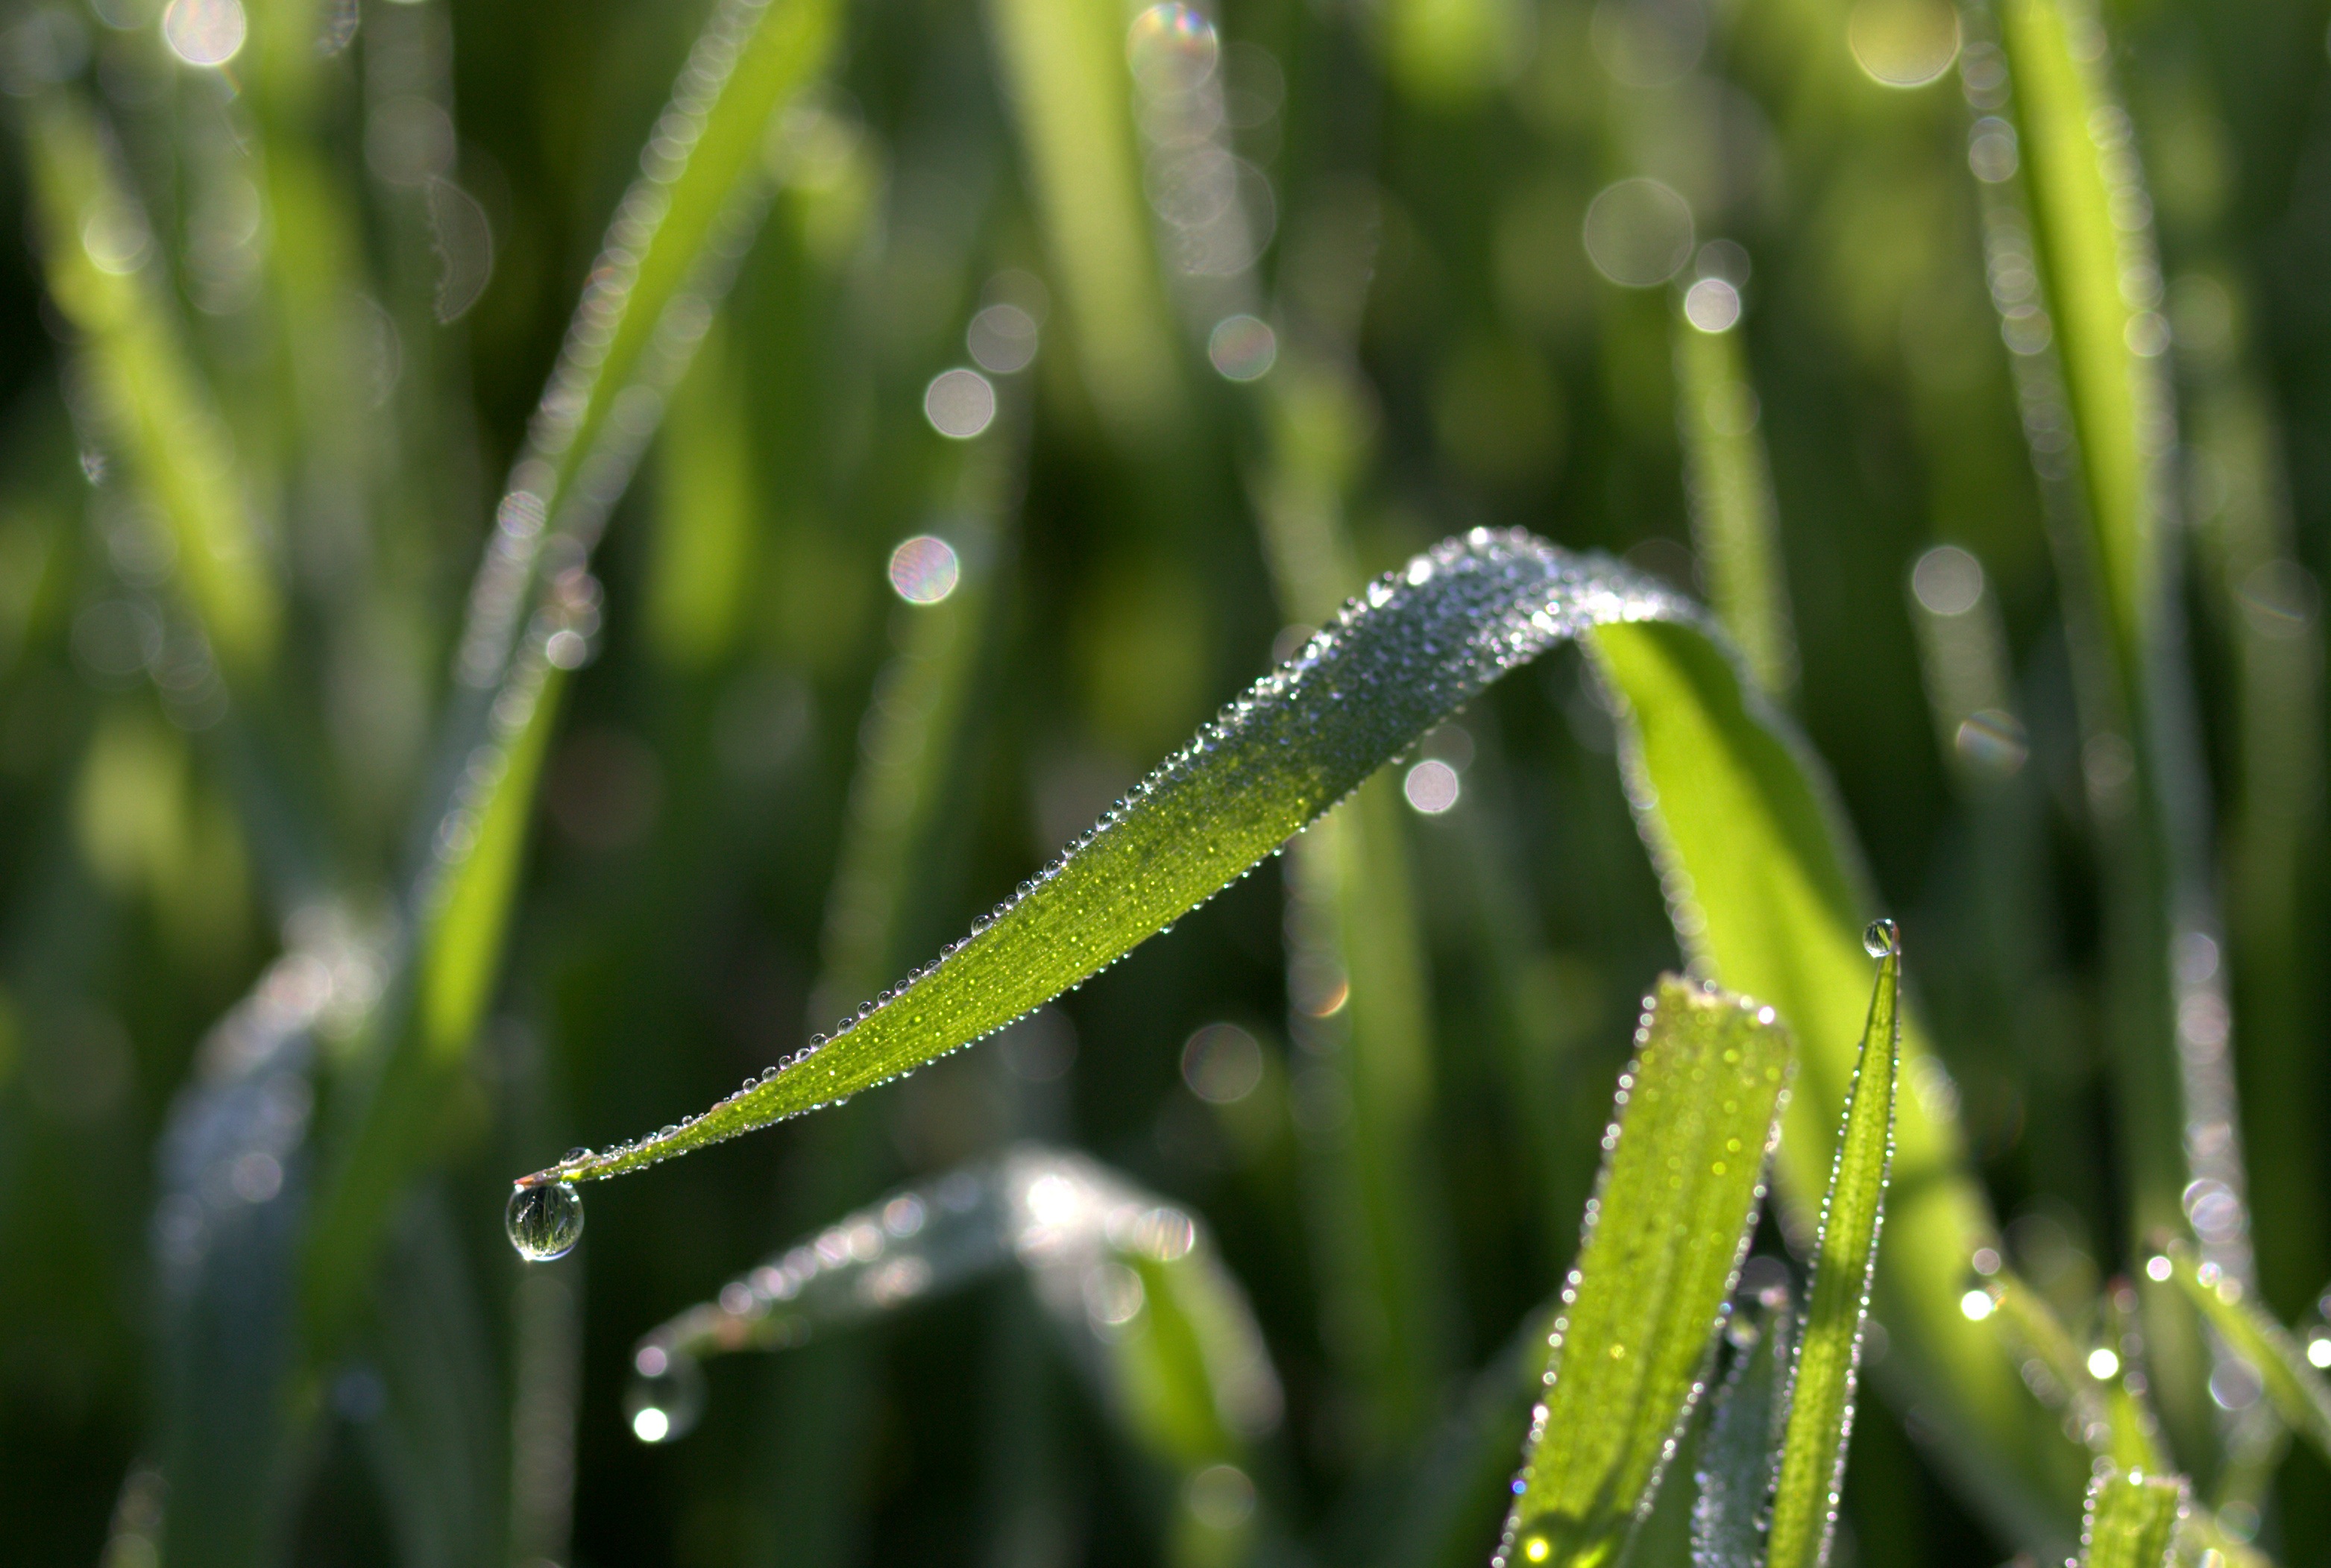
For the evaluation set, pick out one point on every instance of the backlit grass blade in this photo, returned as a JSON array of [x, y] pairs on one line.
[[2090, 356], [2300, 1392], [1417, 645], [2109, 1419], [98, 251], [669, 253], [1734, 523], [1821, 1394], [1744, 1440], [1698, 1109], [1762, 892], [2131, 1517]]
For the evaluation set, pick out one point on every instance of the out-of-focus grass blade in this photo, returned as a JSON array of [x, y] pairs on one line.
[[1698, 1111], [99, 253], [1134, 1283], [706, 512], [1761, 892], [2075, 143], [1812, 1475], [2300, 1392], [1744, 1440], [2090, 221], [1418, 644], [669, 251], [1065, 64], [1351, 922], [1733, 515], [2131, 1519]]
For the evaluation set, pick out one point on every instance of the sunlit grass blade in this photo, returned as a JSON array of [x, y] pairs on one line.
[[2132, 1518], [1763, 893], [669, 253], [1733, 512], [1420, 643], [2090, 354], [98, 251], [1698, 1110], [1133, 1282], [1064, 65], [1822, 1385], [1744, 1438], [2300, 1391]]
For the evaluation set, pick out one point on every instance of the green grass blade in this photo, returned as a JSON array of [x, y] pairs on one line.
[[1064, 65], [2301, 1394], [1733, 520], [98, 250], [1764, 899], [1420, 643], [2131, 1519], [1744, 1440], [1822, 1387], [1698, 1110], [670, 252]]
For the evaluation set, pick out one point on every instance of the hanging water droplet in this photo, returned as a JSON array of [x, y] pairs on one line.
[[544, 1220], [666, 1394], [1882, 938]]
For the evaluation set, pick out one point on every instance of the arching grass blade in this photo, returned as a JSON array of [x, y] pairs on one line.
[[1698, 1111], [1417, 645], [1766, 898], [1822, 1387]]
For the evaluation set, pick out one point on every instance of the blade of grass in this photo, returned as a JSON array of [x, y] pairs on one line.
[[669, 253], [1812, 1475], [2100, 281], [97, 249], [1744, 1440], [2301, 1394], [1698, 1110], [1352, 924], [1419, 643], [2131, 1519], [1064, 65], [1134, 1283], [1764, 898], [1733, 521]]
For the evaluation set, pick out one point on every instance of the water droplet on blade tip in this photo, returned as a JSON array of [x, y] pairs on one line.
[[544, 1220], [1882, 938]]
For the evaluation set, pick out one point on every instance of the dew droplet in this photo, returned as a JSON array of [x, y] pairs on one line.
[[544, 1220], [1882, 938], [662, 1405]]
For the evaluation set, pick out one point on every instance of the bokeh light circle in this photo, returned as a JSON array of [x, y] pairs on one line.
[[1638, 233], [959, 404], [205, 33], [1903, 42], [1242, 347], [1712, 305], [1172, 48], [925, 569]]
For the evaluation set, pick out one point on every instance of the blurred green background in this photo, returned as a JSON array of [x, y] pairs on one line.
[[360, 238]]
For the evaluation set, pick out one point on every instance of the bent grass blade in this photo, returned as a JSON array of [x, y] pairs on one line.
[[1418, 644], [1698, 1109], [2131, 1517], [1821, 1386], [1730, 483], [1132, 1283], [1755, 862]]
